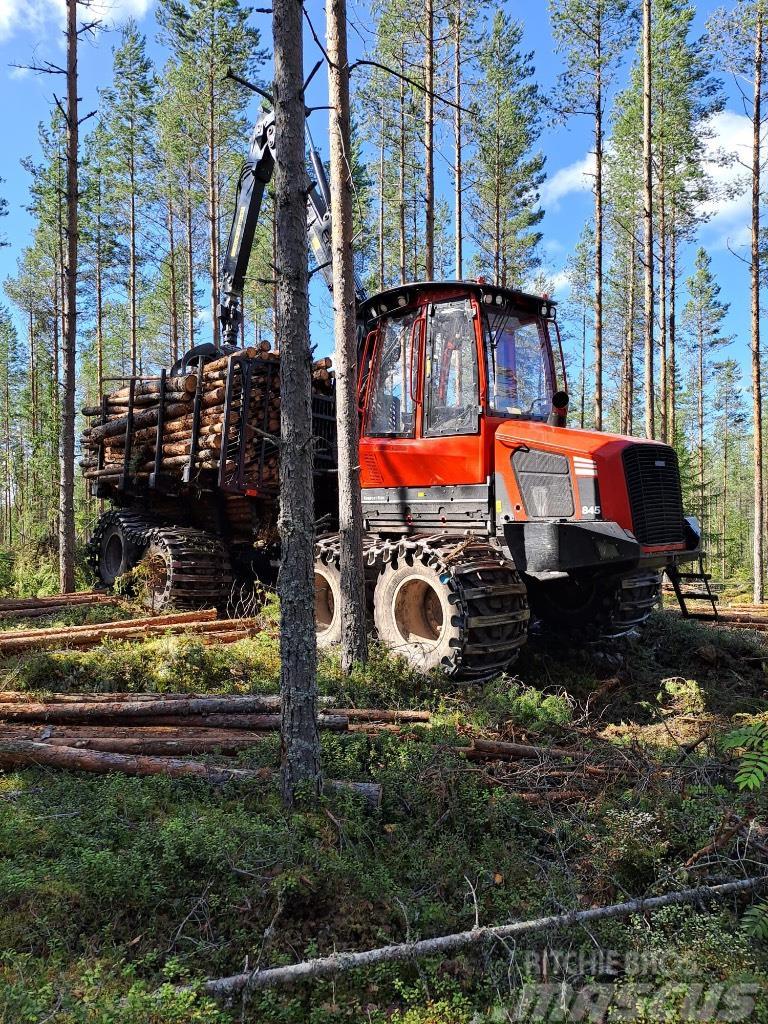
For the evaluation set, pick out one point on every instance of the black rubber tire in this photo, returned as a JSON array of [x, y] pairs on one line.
[[597, 607], [114, 550], [414, 616], [327, 603]]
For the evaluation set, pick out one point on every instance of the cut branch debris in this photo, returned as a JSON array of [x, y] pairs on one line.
[[329, 966]]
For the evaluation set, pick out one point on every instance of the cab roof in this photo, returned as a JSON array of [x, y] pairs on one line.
[[405, 295]]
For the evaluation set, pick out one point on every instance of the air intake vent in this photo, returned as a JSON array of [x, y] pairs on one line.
[[545, 484], [655, 498]]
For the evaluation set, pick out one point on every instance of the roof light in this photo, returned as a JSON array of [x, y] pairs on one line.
[[499, 300], [487, 299], [544, 309], [402, 300]]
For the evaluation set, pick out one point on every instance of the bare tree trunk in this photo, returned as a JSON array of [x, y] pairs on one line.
[[190, 265], [300, 743], [132, 272], [700, 416], [174, 318], [458, 144], [354, 644], [672, 364], [429, 142], [724, 512], [69, 346], [650, 424], [598, 233], [401, 197], [758, 552], [663, 369], [381, 203], [213, 210], [629, 342]]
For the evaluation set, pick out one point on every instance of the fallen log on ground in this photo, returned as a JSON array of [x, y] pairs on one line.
[[483, 750], [381, 715], [267, 700], [174, 618], [13, 604], [177, 707], [91, 637], [57, 609], [29, 754], [234, 720], [329, 966]]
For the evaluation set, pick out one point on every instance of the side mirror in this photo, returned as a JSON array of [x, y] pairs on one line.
[[559, 414]]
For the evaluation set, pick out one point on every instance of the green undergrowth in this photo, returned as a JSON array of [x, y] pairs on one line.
[[119, 895]]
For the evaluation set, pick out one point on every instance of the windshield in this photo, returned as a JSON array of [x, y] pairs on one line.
[[519, 369]]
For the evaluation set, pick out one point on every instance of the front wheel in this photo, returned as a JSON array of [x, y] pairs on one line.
[[595, 607]]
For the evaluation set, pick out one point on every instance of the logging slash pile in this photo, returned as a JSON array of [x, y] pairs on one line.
[[193, 420]]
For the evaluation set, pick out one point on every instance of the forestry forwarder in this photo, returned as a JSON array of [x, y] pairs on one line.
[[482, 509]]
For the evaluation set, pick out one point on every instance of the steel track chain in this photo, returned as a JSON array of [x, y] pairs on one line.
[[486, 591]]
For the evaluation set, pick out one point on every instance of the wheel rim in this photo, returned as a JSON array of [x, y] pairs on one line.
[[113, 555], [418, 613], [325, 603]]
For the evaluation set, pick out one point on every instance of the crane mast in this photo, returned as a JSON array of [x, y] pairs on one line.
[[255, 176]]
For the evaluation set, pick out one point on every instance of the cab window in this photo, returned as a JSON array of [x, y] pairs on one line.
[[392, 408], [452, 392], [520, 374]]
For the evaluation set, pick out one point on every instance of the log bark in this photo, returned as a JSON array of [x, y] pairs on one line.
[[496, 749], [178, 708], [300, 762], [337, 963], [203, 615], [237, 720], [28, 753], [758, 531]]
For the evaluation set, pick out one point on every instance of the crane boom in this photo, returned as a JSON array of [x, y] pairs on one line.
[[255, 175]]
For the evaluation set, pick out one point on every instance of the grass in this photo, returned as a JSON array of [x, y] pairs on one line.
[[114, 892]]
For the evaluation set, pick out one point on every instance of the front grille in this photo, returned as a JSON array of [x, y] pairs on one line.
[[545, 484], [655, 498]]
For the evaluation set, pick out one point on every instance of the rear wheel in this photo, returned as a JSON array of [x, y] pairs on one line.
[[597, 607], [115, 547]]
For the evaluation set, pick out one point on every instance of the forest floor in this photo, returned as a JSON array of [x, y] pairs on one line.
[[118, 894]]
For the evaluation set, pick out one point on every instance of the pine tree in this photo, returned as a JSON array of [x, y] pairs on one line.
[[592, 35], [704, 315], [580, 271], [739, 38], [129, 125], [207, 38], [506, 193]]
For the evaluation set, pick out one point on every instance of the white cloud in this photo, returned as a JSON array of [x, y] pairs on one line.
[[727, 149], [576, 177], [39, 15]]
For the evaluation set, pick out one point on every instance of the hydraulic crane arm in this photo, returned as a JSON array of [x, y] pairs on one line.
[[255, 175]]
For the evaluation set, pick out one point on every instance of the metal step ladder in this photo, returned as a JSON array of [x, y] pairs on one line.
[[703, 592]]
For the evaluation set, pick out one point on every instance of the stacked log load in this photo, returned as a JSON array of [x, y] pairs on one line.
[[186, 413]]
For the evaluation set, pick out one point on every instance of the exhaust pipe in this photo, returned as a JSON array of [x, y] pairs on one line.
[[559, 414]]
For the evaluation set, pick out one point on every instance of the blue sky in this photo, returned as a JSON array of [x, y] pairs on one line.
[[30, 30]]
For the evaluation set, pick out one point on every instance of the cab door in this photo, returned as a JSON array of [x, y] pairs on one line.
[[423, 426]]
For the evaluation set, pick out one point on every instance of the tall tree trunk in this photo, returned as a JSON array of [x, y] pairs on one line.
[[401, 181], [300, 742], [381, 204], [598, 233], [458, 145], [429, 141], [629, 343], [672, 363], [700, 414], [190, 264], [663, 369], [650, 424], [213, 213], [174, 318], [758, 552], [724, 512], [132, 272], [354, 645], [99, 303], [69, 346]]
